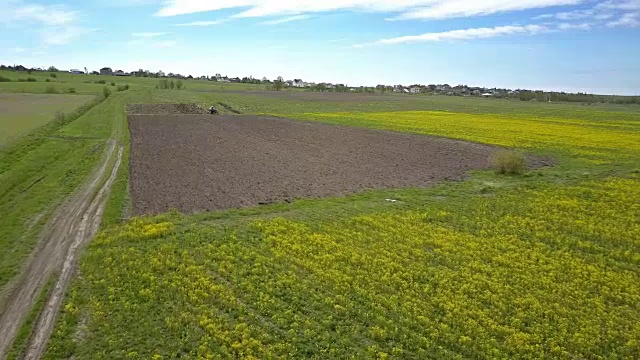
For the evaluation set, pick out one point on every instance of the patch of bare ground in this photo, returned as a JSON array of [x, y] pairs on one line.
[[204, 163], [164, 109]]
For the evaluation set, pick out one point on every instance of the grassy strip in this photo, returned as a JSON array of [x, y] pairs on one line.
[[22, 337], [39, 171]]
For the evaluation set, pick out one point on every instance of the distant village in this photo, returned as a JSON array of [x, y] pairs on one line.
[[446, 89], [415, 89]]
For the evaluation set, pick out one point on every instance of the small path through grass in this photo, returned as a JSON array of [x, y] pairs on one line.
[[73, 225]]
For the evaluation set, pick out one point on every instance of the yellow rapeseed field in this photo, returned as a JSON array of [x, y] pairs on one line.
[[597, 140], [534, 272]]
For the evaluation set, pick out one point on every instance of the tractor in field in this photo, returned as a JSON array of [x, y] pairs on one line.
[[213, 110]]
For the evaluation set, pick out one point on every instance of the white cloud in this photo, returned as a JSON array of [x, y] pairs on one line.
[[202, 23], [148, 35], [62, 35], [53, 24], [49, 15], [408, 9], [624, 10], [18, 50], [603, 16], [286, 20], [620, 4], [569, 15], [570, 26], [467, 34], [464, 8], [129, 3], [626, 20]]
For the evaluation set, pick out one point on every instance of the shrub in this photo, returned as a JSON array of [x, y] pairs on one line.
[[31, 79], [22, 80], [100, 82], [53, 75], [47, 80], [179, 84], [123, 87], [106, 92], [71, 90], [163, 84], [4, 79], [51, 90], [113, 84], [508, 162]]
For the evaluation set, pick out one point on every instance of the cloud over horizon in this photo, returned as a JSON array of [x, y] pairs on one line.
[[466, 34], [407, 9]]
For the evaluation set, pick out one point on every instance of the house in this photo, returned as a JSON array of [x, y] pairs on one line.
[[76, 71], [106, 71], [487, 95], [443, 88], [299, 83], [414, 90], [119, 73]]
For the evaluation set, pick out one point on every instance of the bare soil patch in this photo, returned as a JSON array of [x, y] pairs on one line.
[[202, 163], [164, 109]]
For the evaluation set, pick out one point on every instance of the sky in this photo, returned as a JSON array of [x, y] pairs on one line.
[[565, 45]]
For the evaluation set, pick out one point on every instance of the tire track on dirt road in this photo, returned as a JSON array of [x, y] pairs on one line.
[[70, 228]]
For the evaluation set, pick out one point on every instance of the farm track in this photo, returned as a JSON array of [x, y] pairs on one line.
[[70, 228]]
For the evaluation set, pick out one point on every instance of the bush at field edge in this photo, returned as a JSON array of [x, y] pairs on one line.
[[508, 162]]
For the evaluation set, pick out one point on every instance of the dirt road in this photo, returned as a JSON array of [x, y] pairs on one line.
[[70, 228]]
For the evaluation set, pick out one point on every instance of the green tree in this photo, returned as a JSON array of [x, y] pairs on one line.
[[278, 84]]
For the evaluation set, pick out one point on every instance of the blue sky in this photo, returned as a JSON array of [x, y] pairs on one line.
[[571, 45]]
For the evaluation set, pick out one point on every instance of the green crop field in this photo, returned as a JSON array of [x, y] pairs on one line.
[[23, 112], [545, 264]]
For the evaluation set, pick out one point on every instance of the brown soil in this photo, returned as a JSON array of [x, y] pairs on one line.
[[164, 109], [201, 163]]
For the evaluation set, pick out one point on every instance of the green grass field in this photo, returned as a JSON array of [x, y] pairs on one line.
[[24, 112], [539, 265]]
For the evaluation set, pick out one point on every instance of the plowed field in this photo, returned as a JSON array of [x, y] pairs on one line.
[[199, 163]]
